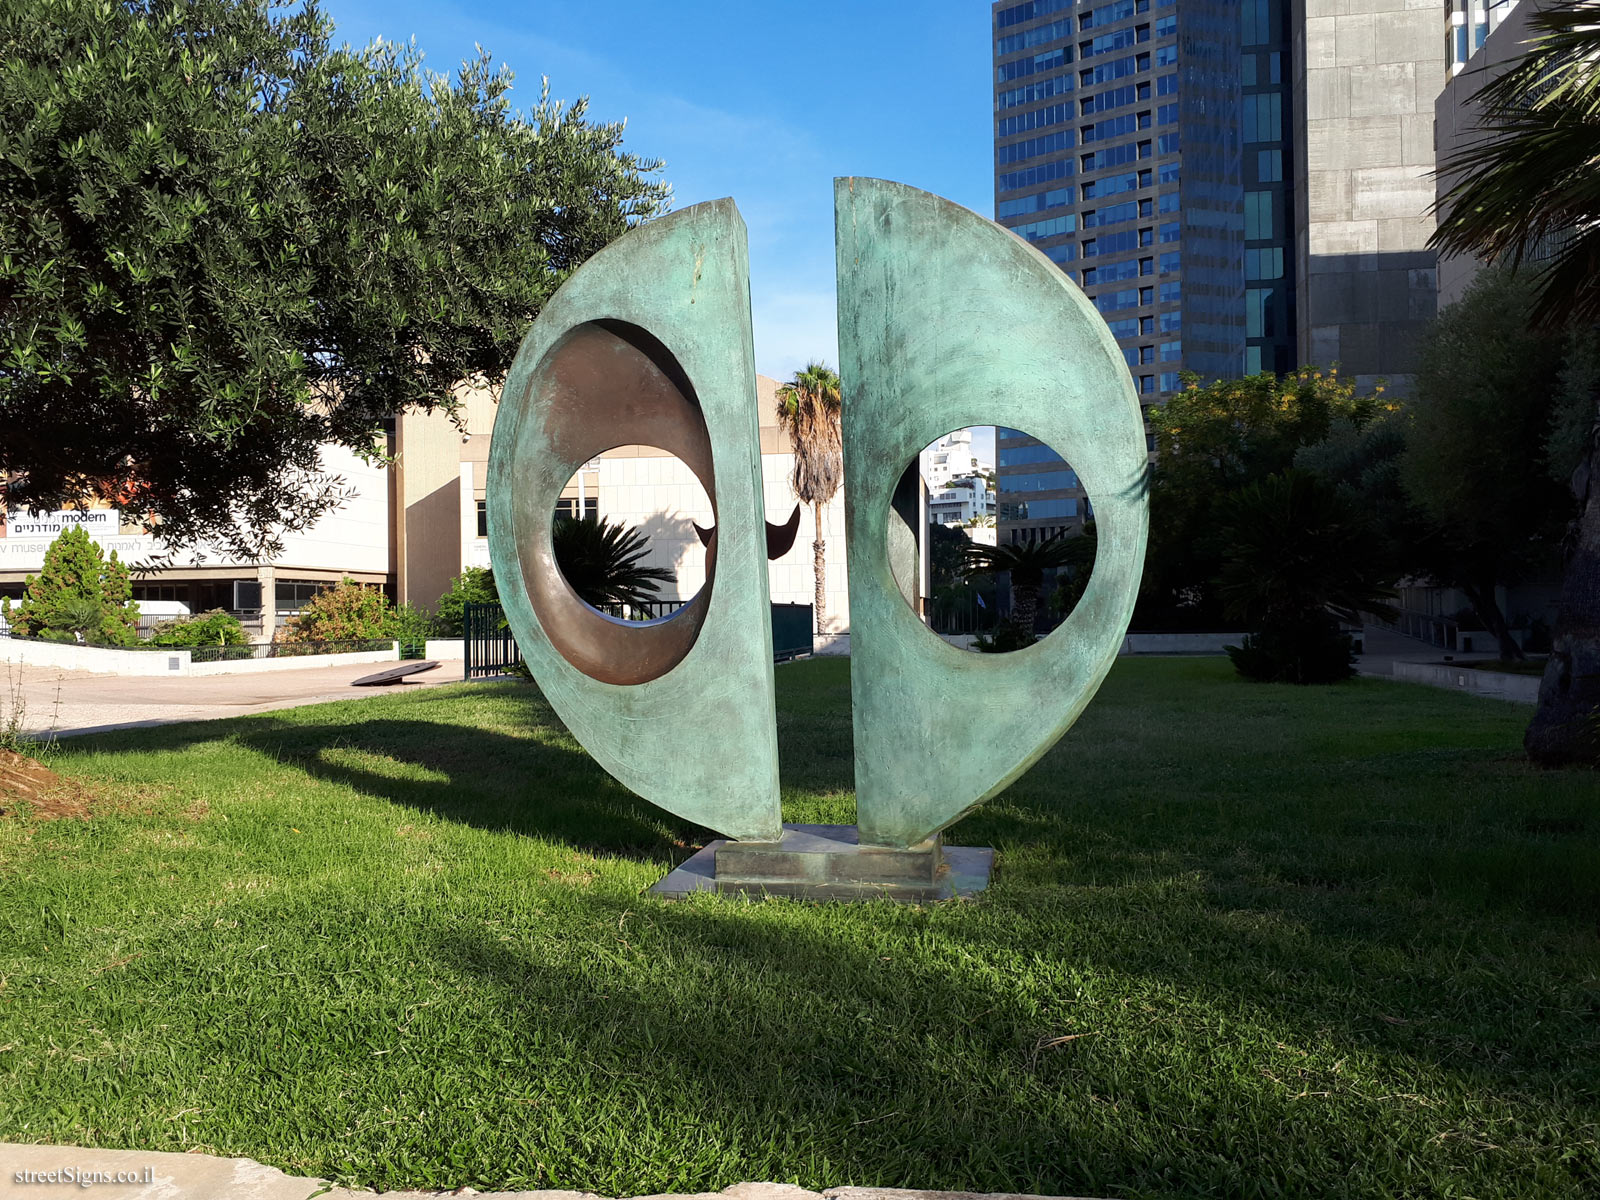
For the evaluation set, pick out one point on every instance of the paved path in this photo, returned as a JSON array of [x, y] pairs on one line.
[[76, 702], [202, 1177], [1382, 648]]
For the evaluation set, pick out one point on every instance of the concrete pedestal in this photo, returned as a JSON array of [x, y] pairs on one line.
[[827, 862]]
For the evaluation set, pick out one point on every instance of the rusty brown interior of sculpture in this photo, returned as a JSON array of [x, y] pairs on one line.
[[608, 384]]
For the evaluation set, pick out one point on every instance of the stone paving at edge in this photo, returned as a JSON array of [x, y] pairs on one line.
[[203, 1177], [74, 702]]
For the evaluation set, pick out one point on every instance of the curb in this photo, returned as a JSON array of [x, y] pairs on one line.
[[142, 1175]]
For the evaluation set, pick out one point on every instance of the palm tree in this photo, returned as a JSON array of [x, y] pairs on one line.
[[808, 409], [601, 562], [1528, 199], [1027, 562]]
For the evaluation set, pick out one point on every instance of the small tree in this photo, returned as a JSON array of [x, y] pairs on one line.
[[79, 592], [1298, 554], [809, 408], [1027, 562], [475, 585], [603, 562], [1475, 458], [350, 612]]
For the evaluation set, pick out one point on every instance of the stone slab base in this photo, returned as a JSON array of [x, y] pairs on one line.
[[827, 862], [151, 1176]]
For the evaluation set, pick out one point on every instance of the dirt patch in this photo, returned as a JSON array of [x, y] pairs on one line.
[[27, 784]]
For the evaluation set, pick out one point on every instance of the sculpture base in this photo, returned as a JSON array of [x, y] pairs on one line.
[[827, 862]]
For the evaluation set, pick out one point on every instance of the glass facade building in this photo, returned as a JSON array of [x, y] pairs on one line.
[[1123, 153]]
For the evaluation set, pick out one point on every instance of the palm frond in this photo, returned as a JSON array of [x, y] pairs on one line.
[[602, 562], [1529, 190], [809, 406]]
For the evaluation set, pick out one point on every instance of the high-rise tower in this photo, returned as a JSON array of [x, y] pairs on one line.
[[1118, 153]]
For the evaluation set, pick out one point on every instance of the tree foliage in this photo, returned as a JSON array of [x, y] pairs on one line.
[[603, 562], [1216, 439], [78, 591], [1477, 460], [225, 242], [1527, 192], [1527, 198], [475, 585], [1027, 562]]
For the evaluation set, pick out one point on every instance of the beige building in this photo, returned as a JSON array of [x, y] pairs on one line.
[[351, 542], [440, 473], [414, 525]]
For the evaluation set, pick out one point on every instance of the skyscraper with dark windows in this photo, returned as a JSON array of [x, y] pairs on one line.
[[1118, 142]]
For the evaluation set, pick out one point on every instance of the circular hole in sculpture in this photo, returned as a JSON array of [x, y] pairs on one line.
[[1010, 539], [630, 533]]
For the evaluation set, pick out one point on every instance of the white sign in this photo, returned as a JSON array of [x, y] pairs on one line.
[[20, 523]]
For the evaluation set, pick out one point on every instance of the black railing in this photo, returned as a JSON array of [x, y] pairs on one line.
[[487, 645], [792, 631], [490, 649], [653, 610]]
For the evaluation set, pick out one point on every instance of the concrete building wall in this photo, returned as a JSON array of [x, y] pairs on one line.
[[1367, 73], [1455, 123]]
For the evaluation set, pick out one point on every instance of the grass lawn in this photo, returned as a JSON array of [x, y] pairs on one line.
[[1245, 940]]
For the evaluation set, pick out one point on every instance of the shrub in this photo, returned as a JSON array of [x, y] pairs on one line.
[[350, 612], [214, 628], [1007, 637], [1307, 648], [475, 585], [354, 612]]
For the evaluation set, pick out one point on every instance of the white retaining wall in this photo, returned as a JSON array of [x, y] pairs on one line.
[[99, 660], [1499, 684]]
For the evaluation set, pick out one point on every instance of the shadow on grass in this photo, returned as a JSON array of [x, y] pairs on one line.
[[539, 784], [1171, 1057]]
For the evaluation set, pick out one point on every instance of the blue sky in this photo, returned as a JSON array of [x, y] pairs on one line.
[[762, 102]]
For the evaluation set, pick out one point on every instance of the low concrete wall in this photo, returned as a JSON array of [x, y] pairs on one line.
[[99, 660], [446, 648], [1179, 643], [297, 662], [1522, 688], [95, 659]]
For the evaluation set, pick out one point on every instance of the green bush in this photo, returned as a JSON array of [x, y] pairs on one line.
[[475, 585], [1008, 636], [214, 628], [1305, 649]]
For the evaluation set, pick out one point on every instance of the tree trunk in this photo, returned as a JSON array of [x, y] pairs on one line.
[[819, 570], [1026, 607], [1488, 610], [1566, 725]]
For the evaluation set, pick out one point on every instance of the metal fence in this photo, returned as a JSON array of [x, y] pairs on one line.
[[490, 649], [792, 631], [487, 645]]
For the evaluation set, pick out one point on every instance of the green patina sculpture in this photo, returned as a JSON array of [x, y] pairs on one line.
[[649, 343], [947, 320]]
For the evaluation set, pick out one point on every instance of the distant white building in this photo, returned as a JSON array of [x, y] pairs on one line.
[[951, 458], [965, 502]]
